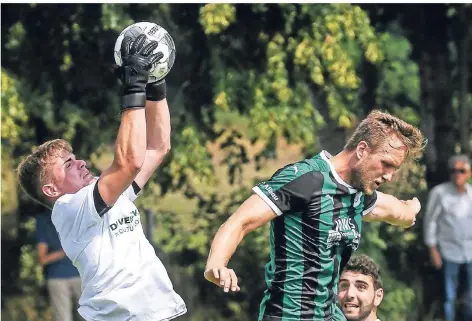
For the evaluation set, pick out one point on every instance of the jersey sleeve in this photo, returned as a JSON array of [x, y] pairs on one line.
[[290, 189], [76, 220], [369, 203], [132, 192]]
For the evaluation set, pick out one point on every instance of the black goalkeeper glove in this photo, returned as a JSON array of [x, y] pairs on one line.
[[137, 60], [156, 91]]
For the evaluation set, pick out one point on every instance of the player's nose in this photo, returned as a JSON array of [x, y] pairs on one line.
[[388, 177], [81, 163], [350, 293]]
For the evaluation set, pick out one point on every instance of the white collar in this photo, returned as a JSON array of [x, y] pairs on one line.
[[326, 156]]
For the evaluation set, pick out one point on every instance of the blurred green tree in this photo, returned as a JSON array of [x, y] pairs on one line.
[[302, 74]]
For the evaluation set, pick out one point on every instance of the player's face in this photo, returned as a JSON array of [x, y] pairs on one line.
[[460, 173], [70, 175], [377, 167], [357, 296]]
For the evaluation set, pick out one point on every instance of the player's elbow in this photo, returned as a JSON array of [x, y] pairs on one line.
[[129, 160], [166, 148], [234, 228], [157, 156], [160, 152], [248, 227], [135, 164], [130, 164]]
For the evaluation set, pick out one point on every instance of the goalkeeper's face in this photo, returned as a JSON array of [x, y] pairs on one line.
[[68, 175]]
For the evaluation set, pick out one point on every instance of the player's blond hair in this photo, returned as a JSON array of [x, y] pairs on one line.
[[34, 171], [377, 127]]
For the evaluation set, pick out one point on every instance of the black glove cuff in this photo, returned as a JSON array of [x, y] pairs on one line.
[[156, 91], [135, 100]]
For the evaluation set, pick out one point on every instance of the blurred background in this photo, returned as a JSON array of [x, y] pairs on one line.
[[254, 87]]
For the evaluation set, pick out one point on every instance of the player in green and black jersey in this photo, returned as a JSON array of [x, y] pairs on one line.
[[320, 223], [316, 208]]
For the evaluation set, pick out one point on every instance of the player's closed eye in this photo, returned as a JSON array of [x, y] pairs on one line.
[[389, 165]]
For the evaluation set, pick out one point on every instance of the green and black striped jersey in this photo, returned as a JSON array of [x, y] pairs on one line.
[[318, 227]]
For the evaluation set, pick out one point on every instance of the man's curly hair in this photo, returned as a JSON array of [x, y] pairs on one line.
[[365, 265]]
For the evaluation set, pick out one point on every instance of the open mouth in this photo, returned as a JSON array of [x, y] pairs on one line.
[[350, 306]]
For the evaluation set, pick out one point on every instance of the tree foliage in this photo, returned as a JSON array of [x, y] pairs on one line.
[[245, 98]]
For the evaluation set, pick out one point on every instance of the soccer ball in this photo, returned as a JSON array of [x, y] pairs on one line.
[[153, 32]]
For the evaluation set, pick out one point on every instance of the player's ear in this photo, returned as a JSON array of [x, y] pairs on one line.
[[361, 149], [379, 294], [50, 190]]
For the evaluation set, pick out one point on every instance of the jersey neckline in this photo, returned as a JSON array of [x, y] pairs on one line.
[[326, 156]]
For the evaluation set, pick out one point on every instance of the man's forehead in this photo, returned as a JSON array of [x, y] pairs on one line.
[[394, 149], [65, 154], [461, 164], [353, 276], [61, 156], [397, 146], [394, 142], [394, 155]]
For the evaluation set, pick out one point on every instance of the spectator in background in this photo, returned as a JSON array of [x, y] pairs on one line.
[[360, 289], [63, 280], [448, 231]]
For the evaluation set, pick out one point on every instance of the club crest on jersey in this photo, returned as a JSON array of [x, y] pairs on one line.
[[357, 199], [330, 197], [344, 231]]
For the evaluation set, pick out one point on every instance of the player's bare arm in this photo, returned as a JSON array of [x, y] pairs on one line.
[[391, 210], [253, 213], [158, 131], [130, 149]]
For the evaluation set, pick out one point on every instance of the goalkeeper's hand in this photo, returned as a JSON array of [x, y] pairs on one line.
[[137, 60]]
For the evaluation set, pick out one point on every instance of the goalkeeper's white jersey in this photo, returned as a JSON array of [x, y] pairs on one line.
[[122, 278]]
